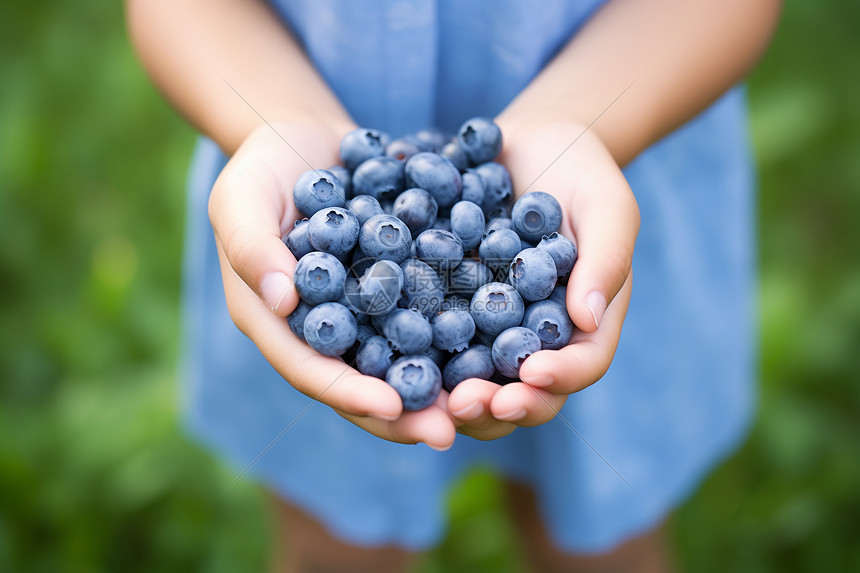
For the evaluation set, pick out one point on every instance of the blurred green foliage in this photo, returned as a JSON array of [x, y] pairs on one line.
[[95, 471]]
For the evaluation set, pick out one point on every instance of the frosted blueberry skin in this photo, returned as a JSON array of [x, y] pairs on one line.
[[512, 347], [380, 177], [296, 319], [474, 362], [561, 249], [497, 249], [385, 237], [297, 240], [473, 188], [405, 147], [551, 322], [497, 187], [408, 331], [533, 274], [456, 155], [436, 355], [536, 214], [468, 277], [361, 144], [433, 139], [345, 177], [365, 207], [333, 230], [318, 189], [380, 287], [417, 379], [481, 139], [443, 224], [330, 329], [365, 331], [496, 307], [442, 250], [467, 222], [498, 224], [374, 357], [454, 301], [559, 295], [319, 278], [417, 208], [435, 174], [452, 330], [423, 290]]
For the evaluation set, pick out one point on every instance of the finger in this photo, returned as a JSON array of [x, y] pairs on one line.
[[247, 209], [524, 405], [586, 359], [605, 221], [469, 405], [431, 426]]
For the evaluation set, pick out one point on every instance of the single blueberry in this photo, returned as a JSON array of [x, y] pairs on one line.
[[497, 187], [385, 237], [536, 214], [297, 240], [296, 319], [364, 207], [417, 379], [360, 263], [318, 189], [452, 330], [481, 139], [359, 145], [433, 139], [351, 297], [468, 277], [438, 357], [379, 177], [496, 307], [404, 148], [467, 222], [380, 287], [345, 177], [443, 224], [456, 155], [499, 223], [365, 331], [561, 249], [330, 329], [551, 322], [474, 362], [533, 274], [512, 347], [408, 331], [473, 188], [374, 357], [440, 249], [417, 208], [559, 295], [435, 174], [319, 278], [333, 230], [497, 249]]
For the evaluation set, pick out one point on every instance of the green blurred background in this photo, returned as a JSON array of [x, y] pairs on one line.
[[95, 473]]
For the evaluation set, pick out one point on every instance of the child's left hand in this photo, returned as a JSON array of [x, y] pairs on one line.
[[601, 216]]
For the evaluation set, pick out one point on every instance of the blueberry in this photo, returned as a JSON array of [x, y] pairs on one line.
[[497, 187], [467, 222], [452, 330], [474, 362], [468, 277], [351, 297], [481, 139], [473, 188], [360, 263], [512, 347], [345, 177], [499, 223], [319, 278], [330, 329], [495, 307], [456, 155], [441, 250], [443, 224], [296, 319], [379, 177], [533, 274], [559, 295], [417, 208], [380, 287], [437, 356], [561, 249], [408, 331], [455, 302], [404, 148], [422, 289], [551, 322], [378, 321], [435, 174], [374, 357], [498, 249], [385, 237], [365, 331], [333, 230], [297, 240], [433, 139], [417, 379], [359, 145], [364, 207], [318, 189], [536, 214]]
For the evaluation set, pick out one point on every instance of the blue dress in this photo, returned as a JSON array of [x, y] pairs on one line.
[[680, 393]]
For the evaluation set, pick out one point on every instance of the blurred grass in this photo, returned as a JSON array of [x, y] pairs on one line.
[[95, 473]]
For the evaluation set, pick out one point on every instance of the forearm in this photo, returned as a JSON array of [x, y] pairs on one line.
[[192, 49], [676, 56]]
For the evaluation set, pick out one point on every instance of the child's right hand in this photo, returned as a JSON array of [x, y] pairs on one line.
[[251, 208]]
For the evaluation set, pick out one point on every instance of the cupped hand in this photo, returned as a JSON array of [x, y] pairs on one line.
[[251, 208], [602, 218]]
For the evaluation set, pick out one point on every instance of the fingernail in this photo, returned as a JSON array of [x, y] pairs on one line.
[[470, 412], [441, 449], [541, 380], [274, 287], [513, 415], [596, 303]]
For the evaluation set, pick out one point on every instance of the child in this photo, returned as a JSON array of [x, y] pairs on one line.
[[580, 89]]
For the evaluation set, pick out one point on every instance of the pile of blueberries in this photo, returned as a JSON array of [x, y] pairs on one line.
[[414, 265]]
